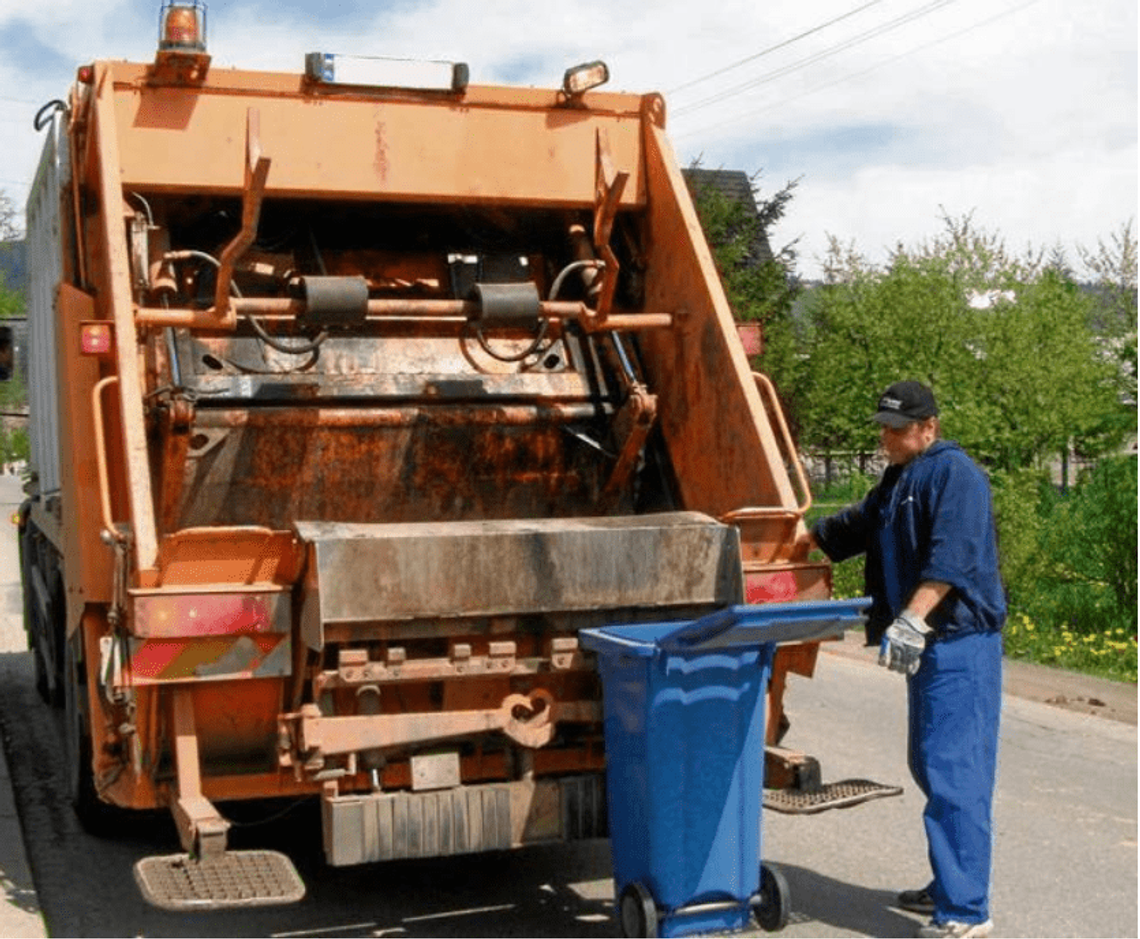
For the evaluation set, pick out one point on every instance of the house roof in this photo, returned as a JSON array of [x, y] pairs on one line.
[[737, 186]]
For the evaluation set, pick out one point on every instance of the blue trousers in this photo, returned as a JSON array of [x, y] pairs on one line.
[[954, 712]]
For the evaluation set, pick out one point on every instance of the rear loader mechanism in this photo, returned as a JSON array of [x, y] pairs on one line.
[[373, 398]]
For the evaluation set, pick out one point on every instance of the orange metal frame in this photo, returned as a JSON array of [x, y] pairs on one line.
[[255, 136]]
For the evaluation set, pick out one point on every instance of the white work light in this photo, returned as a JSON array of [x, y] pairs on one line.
[[581, 78]]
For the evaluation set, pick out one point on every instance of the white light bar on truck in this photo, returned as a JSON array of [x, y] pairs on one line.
[[381, 72]]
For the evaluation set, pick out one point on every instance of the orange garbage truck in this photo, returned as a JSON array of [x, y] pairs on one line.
[[354, 398]]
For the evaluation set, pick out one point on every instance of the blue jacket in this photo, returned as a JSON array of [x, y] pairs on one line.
[[931, 519]]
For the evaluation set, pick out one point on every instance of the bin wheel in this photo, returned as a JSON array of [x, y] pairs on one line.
[[638, 911], [773, 903]]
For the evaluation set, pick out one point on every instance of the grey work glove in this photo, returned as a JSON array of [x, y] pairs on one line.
[[903, 643]]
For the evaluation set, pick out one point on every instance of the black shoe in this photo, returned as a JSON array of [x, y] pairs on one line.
[[917, 901]]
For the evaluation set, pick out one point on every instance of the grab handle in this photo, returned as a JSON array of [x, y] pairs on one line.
[[110, 528], [766, 388]]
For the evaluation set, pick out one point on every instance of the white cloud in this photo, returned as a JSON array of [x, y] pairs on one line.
[[1021, 111]]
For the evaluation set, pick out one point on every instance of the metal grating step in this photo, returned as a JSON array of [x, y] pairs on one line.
[[234, 879], [837, 795]]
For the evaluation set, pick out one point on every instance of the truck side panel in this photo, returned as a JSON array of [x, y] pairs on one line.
[[89, 564], [46, 237], [724, 453]]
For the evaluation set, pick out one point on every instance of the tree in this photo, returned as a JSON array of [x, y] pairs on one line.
[[1039, 377], [12, 390], [1113, 270], [10, 228], [1005, 343], [867, 328], [761, 285]]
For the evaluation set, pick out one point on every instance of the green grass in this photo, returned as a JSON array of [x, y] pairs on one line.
[[1107, 654]]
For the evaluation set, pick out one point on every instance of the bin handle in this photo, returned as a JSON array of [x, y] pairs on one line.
[[109, 526], [766, 388]]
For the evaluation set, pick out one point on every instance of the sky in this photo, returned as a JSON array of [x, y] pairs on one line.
[[890, 115]]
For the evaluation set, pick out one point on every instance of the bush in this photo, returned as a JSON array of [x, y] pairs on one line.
[[1068, 564], [1021, 500], [14, 445], [846, 576], [1087, 563]]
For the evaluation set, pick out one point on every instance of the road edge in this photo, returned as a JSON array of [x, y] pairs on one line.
[[20, 914], [1071, 691]]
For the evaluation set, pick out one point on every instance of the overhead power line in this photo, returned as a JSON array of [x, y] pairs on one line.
[[863, 37], [850, 77], [770, 49]]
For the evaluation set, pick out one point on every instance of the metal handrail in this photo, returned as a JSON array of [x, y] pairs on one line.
[[764, 386], [111, 530], [462, 310]]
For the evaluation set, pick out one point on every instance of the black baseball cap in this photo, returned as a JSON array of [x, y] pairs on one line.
[[904, 403]]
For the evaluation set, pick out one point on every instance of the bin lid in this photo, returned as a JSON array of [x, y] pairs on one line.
[[733, 627]]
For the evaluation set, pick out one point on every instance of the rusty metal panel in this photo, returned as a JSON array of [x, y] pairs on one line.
[[709, 402], [451, 366], [270, 466], [416, 148], [359, 573]]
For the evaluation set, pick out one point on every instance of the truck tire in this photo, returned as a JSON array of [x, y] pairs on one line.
[[43, 682], [49, 647], [96, 816], [45, 639], [32, 626]]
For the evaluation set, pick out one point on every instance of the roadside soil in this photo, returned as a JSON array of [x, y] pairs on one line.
[[1084, 694]]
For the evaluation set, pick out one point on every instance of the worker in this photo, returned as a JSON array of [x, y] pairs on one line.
[[927, 531]]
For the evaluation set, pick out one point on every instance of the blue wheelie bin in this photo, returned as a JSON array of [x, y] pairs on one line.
[[684, 705]]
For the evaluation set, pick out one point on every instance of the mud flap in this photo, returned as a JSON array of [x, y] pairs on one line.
[[232, 879]]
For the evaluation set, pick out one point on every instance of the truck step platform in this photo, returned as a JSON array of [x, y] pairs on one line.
[[836, 795], [233, 879]]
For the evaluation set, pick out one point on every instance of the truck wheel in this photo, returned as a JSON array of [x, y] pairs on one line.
[[94, 815], [43, 683], [48, 651], [33, 629], [774, 902], [638, 911]]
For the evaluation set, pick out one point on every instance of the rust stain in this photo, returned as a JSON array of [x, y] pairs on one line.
[[381, 161]]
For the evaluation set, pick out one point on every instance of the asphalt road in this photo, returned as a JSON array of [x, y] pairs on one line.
[[1066, 835]]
